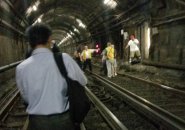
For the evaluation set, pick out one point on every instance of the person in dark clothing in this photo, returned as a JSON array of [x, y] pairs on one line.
[[77, 57], [104, 66]]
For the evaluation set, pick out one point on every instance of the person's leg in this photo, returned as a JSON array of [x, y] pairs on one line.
[[90, 65], [108, 68], [138, 55], [131, 56], [112, 68], [105, 68], [84, 65], [115, 67]]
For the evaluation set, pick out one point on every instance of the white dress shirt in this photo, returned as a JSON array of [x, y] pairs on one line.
[[41, 84]]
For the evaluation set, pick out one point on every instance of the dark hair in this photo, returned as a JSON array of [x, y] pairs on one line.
[[38, 34]]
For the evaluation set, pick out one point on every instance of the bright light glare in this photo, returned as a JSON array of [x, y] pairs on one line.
[[39, 20], [80, 23], [34, 8], [69, 35], [110, 3], [148, 37], [106, 1]]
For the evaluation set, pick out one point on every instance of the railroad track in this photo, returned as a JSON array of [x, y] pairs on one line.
[[14, 117], [12, 112], [168, 98], [163, 115]]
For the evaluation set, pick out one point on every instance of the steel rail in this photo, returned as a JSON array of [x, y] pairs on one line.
[[170, 66], [161, 86], [3, 101], [105, 112], [148, 109], [7, 106], [10, 66]]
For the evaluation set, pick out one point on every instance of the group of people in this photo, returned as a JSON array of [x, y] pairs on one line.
[[108, 59], [44, 89], [109, 63]]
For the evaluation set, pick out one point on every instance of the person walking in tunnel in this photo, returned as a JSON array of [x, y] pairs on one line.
[[134, 49], [77, 57], [115, 61], [86, 57], [110, 60], [104, 66], [41, 84]]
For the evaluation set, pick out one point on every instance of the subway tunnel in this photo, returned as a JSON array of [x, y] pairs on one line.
[[157, 24]]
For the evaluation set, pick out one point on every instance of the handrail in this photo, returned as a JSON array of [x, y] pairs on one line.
[[10, 66], [105, 112]]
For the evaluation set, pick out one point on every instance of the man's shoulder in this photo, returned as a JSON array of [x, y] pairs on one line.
[[24, 64]]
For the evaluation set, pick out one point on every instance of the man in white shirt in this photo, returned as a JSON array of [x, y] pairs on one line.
[[42, 86], [134, 49]]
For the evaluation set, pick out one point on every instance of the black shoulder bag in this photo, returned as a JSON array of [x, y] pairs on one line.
[[79, 104]]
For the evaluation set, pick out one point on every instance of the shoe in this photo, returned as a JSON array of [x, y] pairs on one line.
[[109, 77], [115, 74]]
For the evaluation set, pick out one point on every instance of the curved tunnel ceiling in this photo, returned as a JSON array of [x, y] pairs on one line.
[[63, 14]]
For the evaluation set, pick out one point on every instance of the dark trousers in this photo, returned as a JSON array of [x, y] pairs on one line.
[[104, 67], [78, 61], [87, 62], [51, 122]]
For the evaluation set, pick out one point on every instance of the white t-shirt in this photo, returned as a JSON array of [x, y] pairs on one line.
[[133, 45]]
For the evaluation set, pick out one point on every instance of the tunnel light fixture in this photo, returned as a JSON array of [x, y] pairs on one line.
[[76, 30], [80, 23], [32, 8], [65, 38], [111, 3], [39, 19], [148, 37], [71, 33]]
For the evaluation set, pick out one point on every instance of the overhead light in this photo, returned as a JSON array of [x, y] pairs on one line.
[[80, 23], [148, 37], [106, 1], [34, 8], [39, 20], [110, 3]]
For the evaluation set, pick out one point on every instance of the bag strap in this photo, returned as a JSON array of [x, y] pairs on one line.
[[60, 63]]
